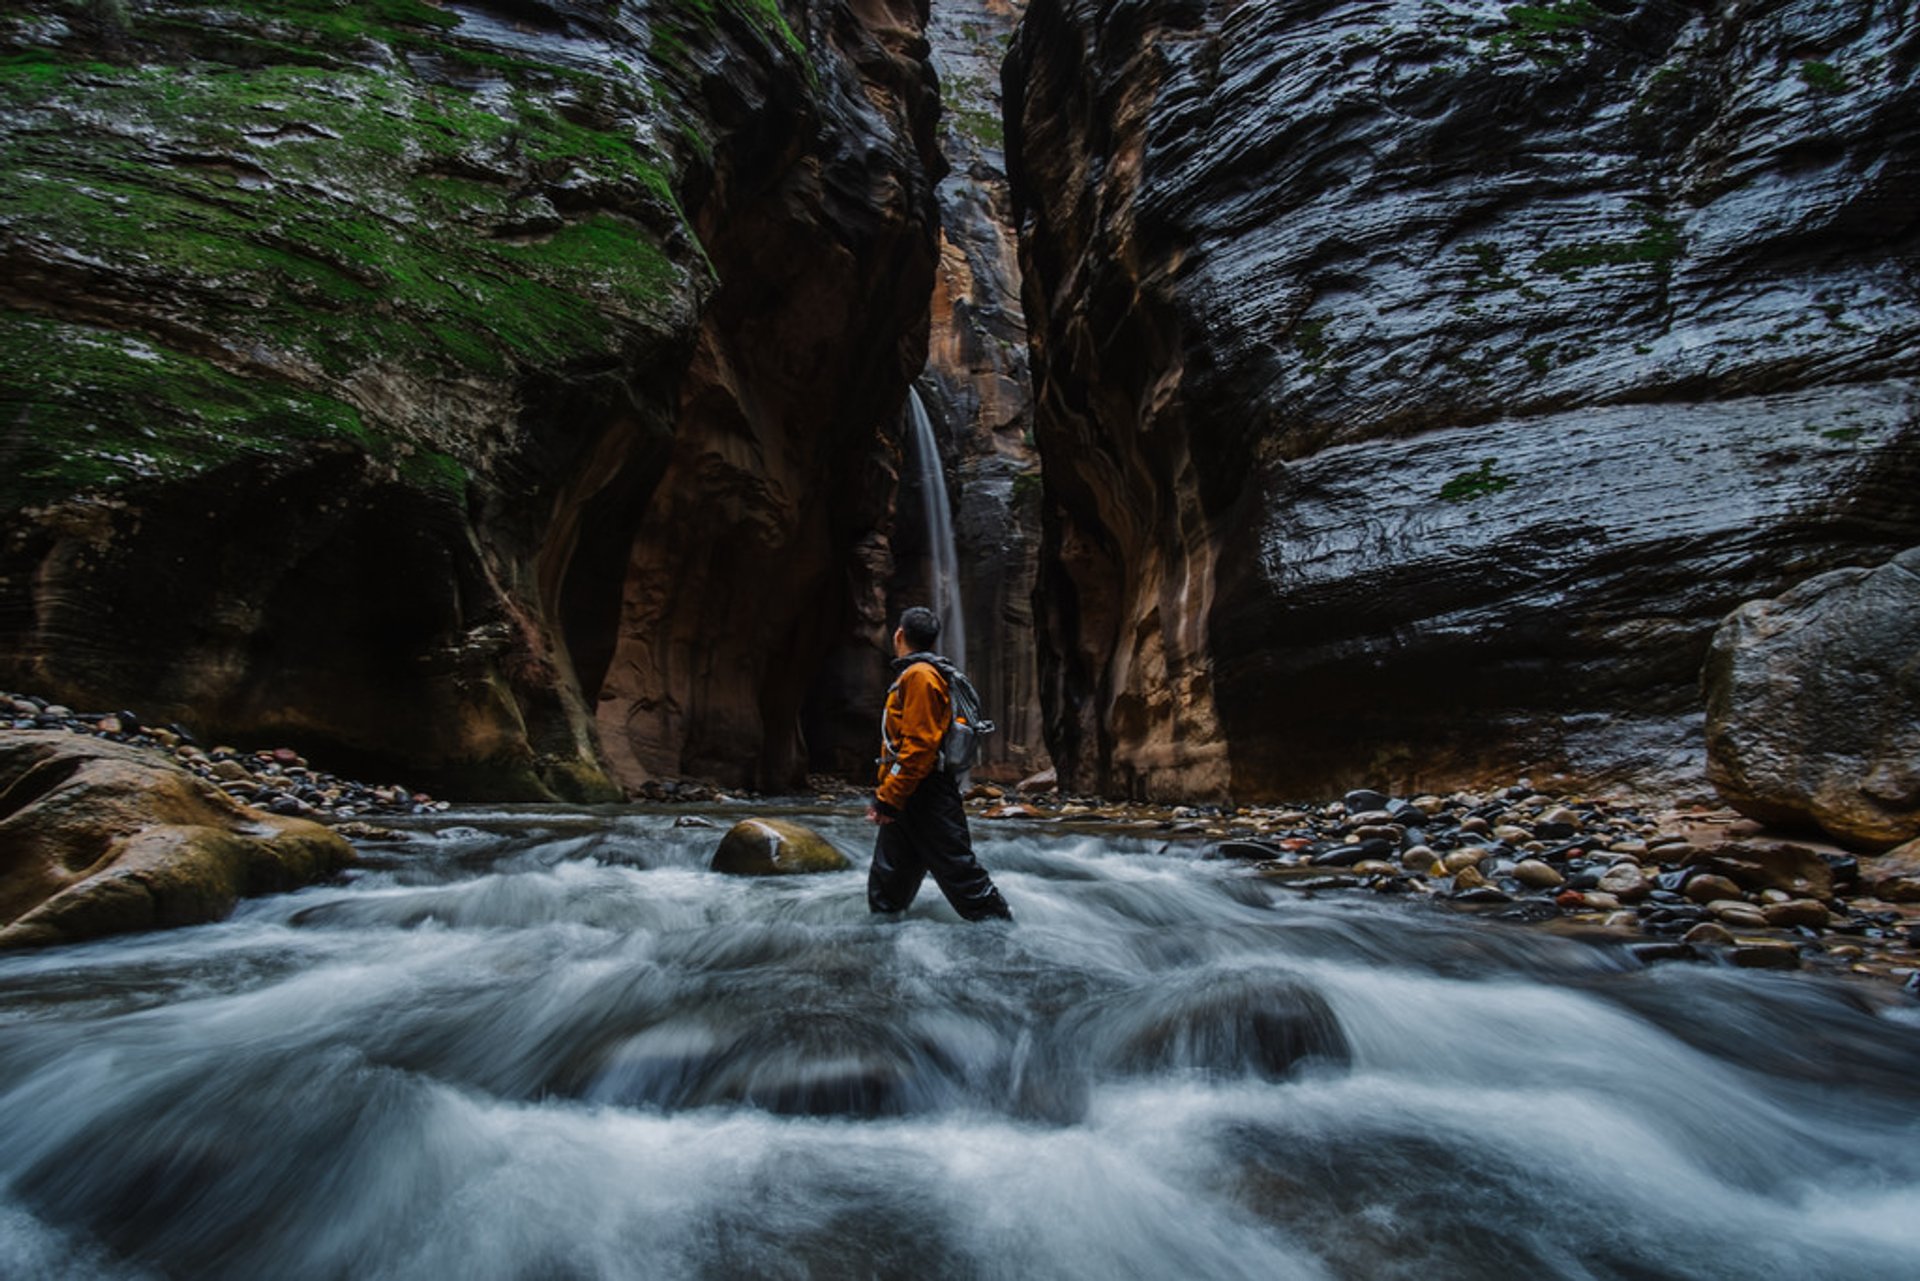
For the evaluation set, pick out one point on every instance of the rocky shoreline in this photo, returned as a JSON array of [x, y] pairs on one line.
[[277, 780], [1680, 884]]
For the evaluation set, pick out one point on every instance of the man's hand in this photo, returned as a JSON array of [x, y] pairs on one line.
[[877, 818]]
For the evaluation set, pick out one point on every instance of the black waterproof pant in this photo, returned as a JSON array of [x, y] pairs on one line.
[[931, 836]]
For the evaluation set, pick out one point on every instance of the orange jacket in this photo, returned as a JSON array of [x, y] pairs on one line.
[[918, 712]]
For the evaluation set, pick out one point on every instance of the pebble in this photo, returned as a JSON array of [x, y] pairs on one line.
[[1419, 858], [1459, 859], [1536, 875], [1512, 835], [1799, 911], [1709, 887], [1765, 954], [1738, 912], [1468, 878], [1625, 880], [1708, 932]]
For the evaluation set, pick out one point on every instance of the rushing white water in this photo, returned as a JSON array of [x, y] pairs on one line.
[[941, 549], [550, 1045]]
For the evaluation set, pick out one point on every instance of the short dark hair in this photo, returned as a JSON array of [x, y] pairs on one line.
[[921, 626]]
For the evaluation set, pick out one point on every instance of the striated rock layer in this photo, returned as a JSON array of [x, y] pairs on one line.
[[494, 392], [1419, 384], [976, 388]]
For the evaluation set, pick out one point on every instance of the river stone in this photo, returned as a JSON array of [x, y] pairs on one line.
[[1458, 860], [1624, 880], [1765, 954], [1468, 878], [101, 838], [1708, 887], [1419, 858], [1799, 911], [1813, 709], [1708, 932], [1736, 912], [1534, 874], [775, 847]]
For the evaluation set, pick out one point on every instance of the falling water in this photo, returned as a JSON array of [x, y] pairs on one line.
[[940, 544], [551, 1044]]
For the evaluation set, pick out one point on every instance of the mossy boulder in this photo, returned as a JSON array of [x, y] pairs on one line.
[[99, 838], [775, 847]]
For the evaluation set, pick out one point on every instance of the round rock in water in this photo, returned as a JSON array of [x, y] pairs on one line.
[[775, 847], [1813, 713]]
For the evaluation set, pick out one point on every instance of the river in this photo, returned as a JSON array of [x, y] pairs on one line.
[[546, 1044]]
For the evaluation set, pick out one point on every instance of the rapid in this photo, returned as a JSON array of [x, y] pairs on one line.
[[540, 1043]]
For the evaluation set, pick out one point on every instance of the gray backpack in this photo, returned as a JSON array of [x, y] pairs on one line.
[[960, 749]]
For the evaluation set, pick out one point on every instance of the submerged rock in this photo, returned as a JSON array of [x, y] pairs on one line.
[[775, 847], [99, 838], [1813, 705]]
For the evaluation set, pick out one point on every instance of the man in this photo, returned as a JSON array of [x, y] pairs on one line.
[[923, 827]]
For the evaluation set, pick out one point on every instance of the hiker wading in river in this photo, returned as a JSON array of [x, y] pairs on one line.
[[923, 826]]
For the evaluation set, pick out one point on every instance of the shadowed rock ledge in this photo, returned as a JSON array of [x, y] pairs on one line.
[[1419, 385]]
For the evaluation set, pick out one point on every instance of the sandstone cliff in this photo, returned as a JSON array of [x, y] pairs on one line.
[[501, 390], [977, 389], [1418, 384]]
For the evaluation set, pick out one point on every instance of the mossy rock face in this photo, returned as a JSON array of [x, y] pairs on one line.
[[775, 847], [98, 838]]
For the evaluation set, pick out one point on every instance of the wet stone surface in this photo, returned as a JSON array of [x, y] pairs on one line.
[[278, 780], [1700, 885]]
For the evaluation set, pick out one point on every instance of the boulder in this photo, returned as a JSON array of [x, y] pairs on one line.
[[100, 838], [1767, 865], [1895, 875], [775, 847], [1813, 705]]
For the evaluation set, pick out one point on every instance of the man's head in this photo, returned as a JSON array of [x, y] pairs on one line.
[[919, 629]]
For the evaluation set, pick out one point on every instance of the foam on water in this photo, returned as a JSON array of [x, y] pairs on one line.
[[536, 1044]]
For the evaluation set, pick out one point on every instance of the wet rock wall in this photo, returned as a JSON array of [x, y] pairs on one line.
[[976, 387], [423, 382], [1419, 384]]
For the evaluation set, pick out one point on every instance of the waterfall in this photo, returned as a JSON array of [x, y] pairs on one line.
[[940, 545]]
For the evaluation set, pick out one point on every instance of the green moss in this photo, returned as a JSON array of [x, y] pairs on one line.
[[1310, 338], [1547, 32], [1658, 245], [1823, 77], [409, 267], [86, 408], [320, 220], [1489, 267], [1846, 435], [1540, 358], [1475, 484]]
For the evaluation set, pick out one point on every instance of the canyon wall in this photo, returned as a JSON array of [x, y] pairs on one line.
[[977, 390], [504, 393], [1418, 384]]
